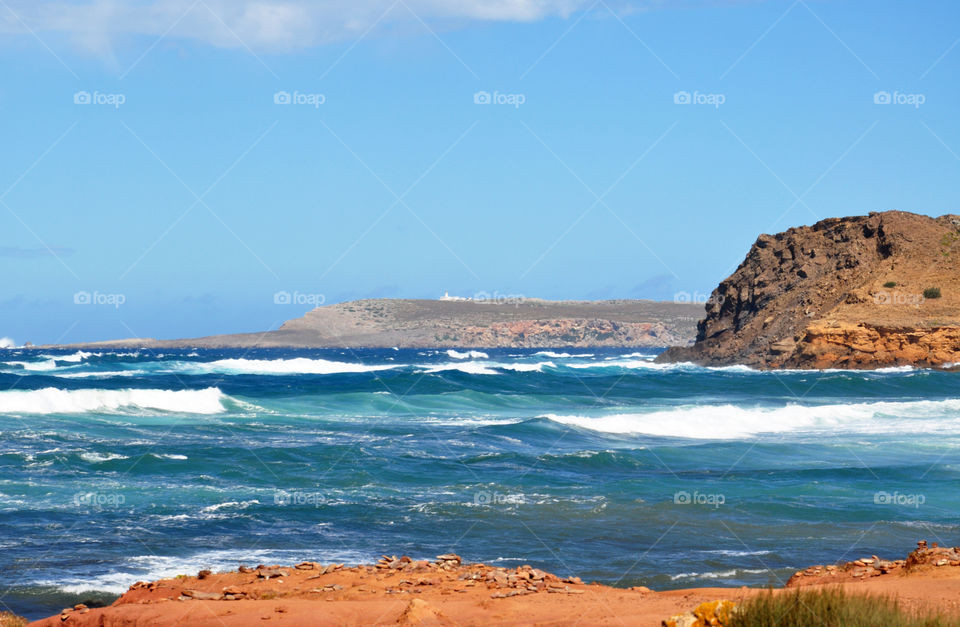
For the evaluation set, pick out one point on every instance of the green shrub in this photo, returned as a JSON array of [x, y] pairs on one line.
[[931, 292], [889, 284], [827, 607]]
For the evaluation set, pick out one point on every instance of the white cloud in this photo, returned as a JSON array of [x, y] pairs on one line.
[[262, 25]]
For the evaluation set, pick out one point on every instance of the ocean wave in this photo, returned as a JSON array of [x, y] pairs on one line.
[[470, 367], [230, 504], [538, 367], [299, 365], [103, 374], [553, 355], [645, 362], [467, 355], [154, 567], [35, 366], [57, 401], [630, 364], [720, 574], [75, 358], [98, 458], [730, 422]]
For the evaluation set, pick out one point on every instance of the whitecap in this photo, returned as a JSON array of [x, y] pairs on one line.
[[57, 401], [728, 422], [299, 365], [97, 458], [467, 355], [470, 367]]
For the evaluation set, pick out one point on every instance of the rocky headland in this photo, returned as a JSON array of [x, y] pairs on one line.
[[399, 590], [858, 292], [492, 323]]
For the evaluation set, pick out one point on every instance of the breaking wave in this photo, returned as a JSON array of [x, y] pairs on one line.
[[57, 401], [729, 422]]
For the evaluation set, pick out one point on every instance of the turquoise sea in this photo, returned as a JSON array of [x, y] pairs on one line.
[[133, 465]]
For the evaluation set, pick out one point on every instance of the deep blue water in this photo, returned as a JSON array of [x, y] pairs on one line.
[[123, 466]]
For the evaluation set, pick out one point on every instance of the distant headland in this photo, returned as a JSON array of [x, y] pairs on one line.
[[463, 323]]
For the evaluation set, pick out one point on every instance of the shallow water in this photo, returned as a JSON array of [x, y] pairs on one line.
[[125, 466]]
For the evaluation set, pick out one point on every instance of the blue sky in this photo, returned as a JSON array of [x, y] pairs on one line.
[[628, 150]]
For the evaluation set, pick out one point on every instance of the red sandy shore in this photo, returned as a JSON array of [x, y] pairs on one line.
[[401, 591]]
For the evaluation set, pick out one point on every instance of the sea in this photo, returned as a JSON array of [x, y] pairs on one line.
[[121, 466]]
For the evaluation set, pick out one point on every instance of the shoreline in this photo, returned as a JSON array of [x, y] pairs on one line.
[[402, 591]]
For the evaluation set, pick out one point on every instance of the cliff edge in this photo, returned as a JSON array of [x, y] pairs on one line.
[[857, 292]]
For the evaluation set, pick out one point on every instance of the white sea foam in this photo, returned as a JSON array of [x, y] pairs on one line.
[[97, 458], [153, 567], [168, 456], [538, 367], [720, 574], [75, 358], [470, 367], [467, 355], [57, 401], [98, 374], [632, 364], [299, 365], [6, 342], [553, 355], [35, 366], [230, 505], [729, 422]]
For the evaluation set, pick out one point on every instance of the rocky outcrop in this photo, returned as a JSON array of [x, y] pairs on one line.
[[859, 292], [923, 558]]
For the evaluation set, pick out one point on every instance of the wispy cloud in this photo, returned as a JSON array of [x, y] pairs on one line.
[[278, 25], [270, 25], [16, 252]]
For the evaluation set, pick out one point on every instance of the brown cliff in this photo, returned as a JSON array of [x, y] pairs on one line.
[[857, 292]]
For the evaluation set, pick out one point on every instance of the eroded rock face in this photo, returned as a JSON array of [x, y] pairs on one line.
[[575, 332], [845, 292]]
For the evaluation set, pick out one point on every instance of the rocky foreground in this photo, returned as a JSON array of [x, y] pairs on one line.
[[447, 591], [859, 292], [513, 322]]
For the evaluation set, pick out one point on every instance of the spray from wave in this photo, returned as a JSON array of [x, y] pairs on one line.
[[467, 355], [300, 365], [729, 422], [57, 401]]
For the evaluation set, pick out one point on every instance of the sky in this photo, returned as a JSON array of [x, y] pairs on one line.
[[178, 168]]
